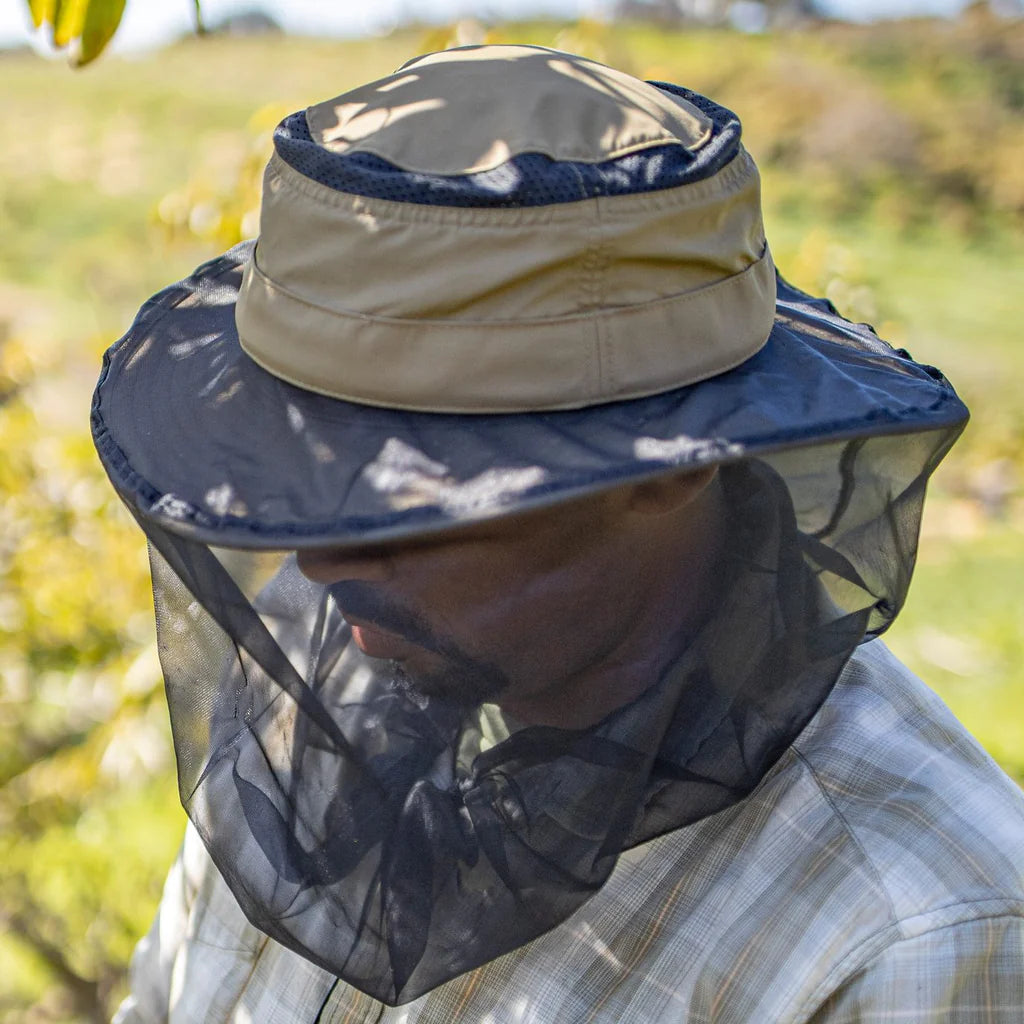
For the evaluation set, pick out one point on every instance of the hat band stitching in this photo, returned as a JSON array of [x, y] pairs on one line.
[[522, 323]]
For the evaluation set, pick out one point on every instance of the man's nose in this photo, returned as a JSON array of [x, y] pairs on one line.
[[333, 565]]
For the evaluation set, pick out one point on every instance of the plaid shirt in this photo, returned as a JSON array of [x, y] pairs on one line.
[[876, 874]]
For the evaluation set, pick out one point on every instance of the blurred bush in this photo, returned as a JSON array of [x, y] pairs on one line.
[[83, 737]]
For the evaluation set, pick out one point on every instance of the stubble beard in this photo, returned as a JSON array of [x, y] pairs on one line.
[[464, 682]]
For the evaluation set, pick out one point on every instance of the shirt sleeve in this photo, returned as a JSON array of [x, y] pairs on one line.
[[967, 973], [199, 955], [152, 962]]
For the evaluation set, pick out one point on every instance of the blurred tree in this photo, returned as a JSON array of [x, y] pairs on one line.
[[750, 15], [84, 756]]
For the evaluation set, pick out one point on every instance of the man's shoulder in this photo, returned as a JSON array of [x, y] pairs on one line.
[[884, 835], [937, 822]]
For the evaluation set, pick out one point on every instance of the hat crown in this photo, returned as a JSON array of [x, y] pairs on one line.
[[505, 229], [506, 101]]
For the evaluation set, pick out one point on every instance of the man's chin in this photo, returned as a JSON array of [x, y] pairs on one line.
[[464, 687], [403, 682]]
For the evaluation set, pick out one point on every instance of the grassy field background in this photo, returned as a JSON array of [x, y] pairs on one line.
[[893, 184]]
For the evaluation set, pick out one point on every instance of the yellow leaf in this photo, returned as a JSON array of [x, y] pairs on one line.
[[101, 20], [68, 16], [41, 11]]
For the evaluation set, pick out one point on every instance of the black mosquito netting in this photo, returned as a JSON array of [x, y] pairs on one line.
[[398, 841]]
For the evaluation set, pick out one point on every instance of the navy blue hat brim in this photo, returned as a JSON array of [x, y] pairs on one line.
[[200, 440]]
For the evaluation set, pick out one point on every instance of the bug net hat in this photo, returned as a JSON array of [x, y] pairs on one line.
[[497, 280]]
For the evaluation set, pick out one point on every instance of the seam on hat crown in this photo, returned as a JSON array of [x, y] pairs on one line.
[[451, 324]]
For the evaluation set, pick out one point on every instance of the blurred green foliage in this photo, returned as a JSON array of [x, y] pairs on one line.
[[893, 184]]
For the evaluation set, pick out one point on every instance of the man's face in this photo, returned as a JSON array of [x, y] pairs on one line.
[[523, 610]]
